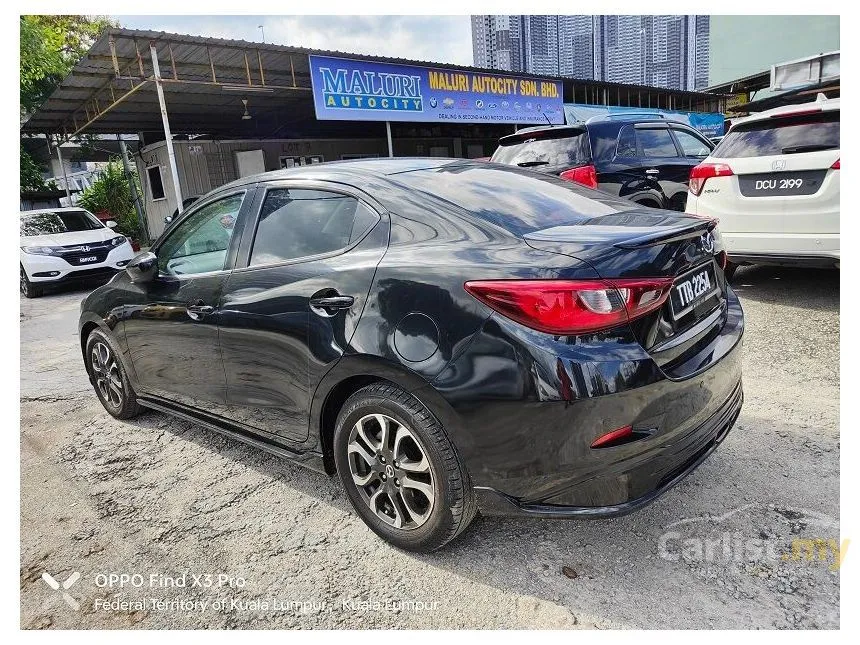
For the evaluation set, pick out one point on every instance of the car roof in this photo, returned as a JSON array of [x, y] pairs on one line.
[[821, 104], [353, 169], [59, 209]]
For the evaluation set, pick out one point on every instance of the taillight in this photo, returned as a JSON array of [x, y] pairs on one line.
[[836, 165], [568, 307], [704, 171], [585, 175]]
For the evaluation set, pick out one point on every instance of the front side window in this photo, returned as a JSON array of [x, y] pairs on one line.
[[59, 222], [691, 145], [297, 223], [656, 143], [199, 244]]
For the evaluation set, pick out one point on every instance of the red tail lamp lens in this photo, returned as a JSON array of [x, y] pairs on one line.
[[585, 175], [704, 171], [567, 307]]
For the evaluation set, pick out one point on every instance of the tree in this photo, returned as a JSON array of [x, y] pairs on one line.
[[50, 47], [110, 193], [31, 174]]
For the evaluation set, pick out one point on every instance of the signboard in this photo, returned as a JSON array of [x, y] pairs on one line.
[[354, 90], [709, 124]]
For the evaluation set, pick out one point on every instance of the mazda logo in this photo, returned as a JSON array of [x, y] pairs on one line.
[[707, 242]]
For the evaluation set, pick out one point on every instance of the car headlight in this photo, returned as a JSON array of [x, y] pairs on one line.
[[117, 241], [38, 250]]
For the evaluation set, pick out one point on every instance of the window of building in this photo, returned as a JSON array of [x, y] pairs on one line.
[[156, 185]]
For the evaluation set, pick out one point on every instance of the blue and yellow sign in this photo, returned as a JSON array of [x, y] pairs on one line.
[[354, 90]]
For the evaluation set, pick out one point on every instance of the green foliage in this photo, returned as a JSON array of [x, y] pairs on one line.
[[110, 193], [50, 47], [31, 174]]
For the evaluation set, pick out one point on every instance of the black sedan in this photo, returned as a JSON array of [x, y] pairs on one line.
[[445, 335]]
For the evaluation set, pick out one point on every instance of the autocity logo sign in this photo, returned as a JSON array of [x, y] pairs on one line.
[[363, 89]]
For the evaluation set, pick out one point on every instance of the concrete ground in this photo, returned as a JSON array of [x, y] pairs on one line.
[[265, 543]]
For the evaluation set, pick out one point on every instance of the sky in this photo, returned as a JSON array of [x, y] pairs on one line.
[[439, 39]]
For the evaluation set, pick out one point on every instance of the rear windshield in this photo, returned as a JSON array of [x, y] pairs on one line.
[[517, 200], [781, 136], [60, 222], [569, 150]]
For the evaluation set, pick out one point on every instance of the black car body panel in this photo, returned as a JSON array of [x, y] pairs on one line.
[[522, 407], [655, 173]]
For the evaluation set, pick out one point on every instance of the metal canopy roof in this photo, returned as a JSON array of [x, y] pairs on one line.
[[112, 89]]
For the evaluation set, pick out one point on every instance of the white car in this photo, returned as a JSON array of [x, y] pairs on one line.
[[66, 244], [773, 183]]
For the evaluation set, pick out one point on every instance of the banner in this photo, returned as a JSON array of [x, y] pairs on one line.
[[354, 90], [709, 124]]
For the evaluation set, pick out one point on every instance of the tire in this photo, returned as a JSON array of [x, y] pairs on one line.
[[109, 378], [28, 288], [398, 489], [730, 270]]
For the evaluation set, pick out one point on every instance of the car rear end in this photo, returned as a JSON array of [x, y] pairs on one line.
[[564, 151], [607, 372], [773, 183]]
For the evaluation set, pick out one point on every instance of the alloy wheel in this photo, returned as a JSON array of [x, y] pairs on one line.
[[106, 374], [391, 471]]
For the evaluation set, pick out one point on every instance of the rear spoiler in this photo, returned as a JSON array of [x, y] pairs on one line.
[[549, 132], [668, 234]]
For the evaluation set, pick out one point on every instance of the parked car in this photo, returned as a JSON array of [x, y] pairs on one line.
[[644, 158], [61, 245], [773, 182], [445, 335]]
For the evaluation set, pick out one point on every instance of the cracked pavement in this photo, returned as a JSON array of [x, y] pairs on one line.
[[158, 496]]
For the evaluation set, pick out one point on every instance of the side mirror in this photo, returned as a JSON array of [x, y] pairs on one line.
[[143, 267], [110, 224]]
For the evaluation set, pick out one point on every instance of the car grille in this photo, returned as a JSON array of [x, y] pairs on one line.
[[75, 253]]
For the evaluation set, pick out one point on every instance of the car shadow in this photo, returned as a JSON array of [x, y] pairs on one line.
[[816, 289], [587, 566]]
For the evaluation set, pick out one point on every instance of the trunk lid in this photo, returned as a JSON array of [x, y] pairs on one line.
[[647, 243]]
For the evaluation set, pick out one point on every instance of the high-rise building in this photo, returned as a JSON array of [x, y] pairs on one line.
[[660, 51]]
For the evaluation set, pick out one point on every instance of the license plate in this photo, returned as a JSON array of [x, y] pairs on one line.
[[89, 258], [804, 182], [693, 288]]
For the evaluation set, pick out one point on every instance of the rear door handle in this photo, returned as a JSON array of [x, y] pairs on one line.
[[652, 171], [198, 310], [332, 302]]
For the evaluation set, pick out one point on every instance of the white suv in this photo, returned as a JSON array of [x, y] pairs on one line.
[[773, 182], [65, 244]]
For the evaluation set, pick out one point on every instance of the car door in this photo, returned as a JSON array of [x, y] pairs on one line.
[[694, 149], [663, 163], [290, 308], [621, 170], [171, 327]]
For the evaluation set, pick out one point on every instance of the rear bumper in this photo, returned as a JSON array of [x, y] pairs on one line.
[[790, 249], [524, 410], [686, 458]]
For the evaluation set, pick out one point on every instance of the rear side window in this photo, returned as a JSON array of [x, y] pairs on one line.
[[626, 147], [656, 142], [570, 150], [298, 223], [781, 136]]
